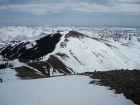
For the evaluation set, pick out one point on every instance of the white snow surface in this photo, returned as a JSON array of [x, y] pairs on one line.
[[8, 75], [23, 33], [30, 45], [64, 90], [16, 63], [87, 54], [11, 33]]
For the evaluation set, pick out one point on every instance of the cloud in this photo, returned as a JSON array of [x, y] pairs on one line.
[[130, 1], [37, 9], [3, 7], [28, 19], [123, 6], [8, 20]]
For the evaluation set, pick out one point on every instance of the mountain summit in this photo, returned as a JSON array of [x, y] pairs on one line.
[[71, 51]]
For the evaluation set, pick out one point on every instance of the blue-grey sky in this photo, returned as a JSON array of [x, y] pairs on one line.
[[70, 12]]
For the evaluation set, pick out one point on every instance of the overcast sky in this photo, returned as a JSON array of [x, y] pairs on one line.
[[70, 12]]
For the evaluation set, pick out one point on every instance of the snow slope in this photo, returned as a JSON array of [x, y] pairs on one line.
[[80, 49], [89, 54], [12, 33], [65, 90]]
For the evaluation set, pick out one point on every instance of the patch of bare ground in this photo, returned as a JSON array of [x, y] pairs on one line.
[[43, 67], [59, 65], [62, 55], [27, 73], [75, 34], [123, 81]]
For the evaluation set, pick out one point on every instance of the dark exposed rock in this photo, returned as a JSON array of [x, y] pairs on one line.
[[62, 55], [44, 46], [74, 34], [27, 73], [40, 67], [59, 65]]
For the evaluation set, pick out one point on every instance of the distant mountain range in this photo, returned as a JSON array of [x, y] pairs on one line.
[[48, 51]]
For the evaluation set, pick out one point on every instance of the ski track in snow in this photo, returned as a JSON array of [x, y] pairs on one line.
[[63, 90], [37, 94]]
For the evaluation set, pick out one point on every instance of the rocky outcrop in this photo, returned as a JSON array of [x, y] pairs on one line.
[[123, 81]]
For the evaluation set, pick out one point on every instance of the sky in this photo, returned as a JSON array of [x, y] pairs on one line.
[[70, 12]]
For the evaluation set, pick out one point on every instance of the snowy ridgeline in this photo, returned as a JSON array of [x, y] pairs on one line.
[[65, 90], [84, 49], [17, 34], [90, 54], [99, 48]]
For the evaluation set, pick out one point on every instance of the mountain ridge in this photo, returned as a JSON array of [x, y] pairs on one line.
[[74, 51]]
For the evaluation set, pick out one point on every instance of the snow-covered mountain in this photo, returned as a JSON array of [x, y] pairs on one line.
[[39, 52], [64, 50]]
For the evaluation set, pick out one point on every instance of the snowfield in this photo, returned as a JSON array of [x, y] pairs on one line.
[[64, 90]]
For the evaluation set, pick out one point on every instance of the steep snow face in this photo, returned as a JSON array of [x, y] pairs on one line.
[[65, 90], [83, 53]]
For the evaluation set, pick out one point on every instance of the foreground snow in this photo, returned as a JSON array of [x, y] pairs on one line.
[[65, 90]]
